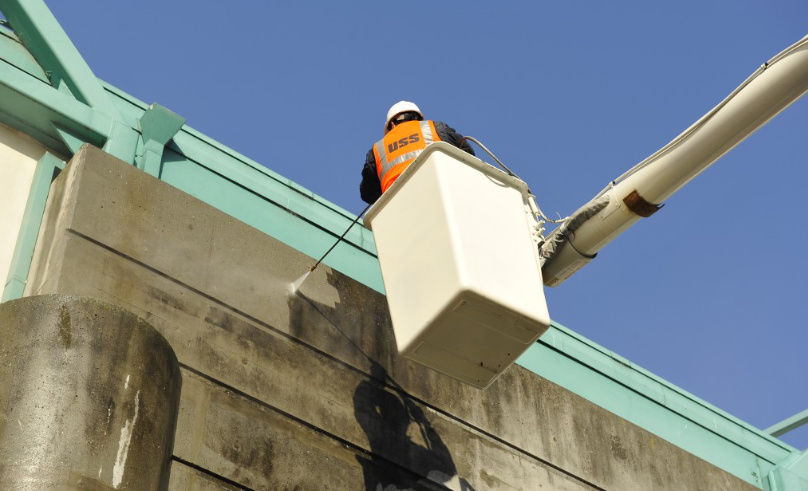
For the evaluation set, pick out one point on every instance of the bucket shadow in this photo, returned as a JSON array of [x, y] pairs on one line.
[[406, 452], [397, 428]]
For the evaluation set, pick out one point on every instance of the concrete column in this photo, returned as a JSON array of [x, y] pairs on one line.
[[88, 397]]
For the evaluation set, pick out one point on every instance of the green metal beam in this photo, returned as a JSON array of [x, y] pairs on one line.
[[122, 141], [71, 101], [72, 142], [28, 103], [45, 39], [790, 475], [789, 424], [39, 105], [46, 169]]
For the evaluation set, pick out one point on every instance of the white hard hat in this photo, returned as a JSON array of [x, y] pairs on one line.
[[401, 107]]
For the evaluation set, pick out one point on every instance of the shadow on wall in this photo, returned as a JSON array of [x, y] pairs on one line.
[[406, 452], [395, 426]]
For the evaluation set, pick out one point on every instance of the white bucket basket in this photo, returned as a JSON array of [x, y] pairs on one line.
[[460, 265]]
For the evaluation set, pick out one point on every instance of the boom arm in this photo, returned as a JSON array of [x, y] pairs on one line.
[[635, 194]]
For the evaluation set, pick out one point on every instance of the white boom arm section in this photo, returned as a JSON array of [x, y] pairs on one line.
[[635, 194]]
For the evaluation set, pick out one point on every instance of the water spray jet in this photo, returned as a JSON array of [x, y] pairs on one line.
[[296, 284]]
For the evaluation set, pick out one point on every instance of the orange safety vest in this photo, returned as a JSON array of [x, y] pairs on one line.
[[399, 147]]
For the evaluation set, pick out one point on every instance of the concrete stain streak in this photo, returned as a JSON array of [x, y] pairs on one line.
[[123, 446], [65, 328]]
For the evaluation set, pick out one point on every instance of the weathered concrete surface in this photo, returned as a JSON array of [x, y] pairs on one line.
[[284, 391], [89, 396], [184, 478]]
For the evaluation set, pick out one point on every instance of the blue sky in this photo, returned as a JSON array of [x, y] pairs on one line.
[[710, 293]]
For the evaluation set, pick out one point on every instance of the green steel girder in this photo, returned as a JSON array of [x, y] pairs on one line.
[[122, 141], [789, 424], [70, 106], [47, 42], [38, 105], [72, 141], [790, 475]]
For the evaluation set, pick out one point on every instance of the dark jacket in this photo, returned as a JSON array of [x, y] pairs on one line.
[[371, 187]]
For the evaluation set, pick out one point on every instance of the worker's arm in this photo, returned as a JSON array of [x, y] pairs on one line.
[[447, 134], [370, 189]]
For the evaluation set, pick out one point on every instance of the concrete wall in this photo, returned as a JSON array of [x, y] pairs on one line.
[[305, 391], [18, 157]]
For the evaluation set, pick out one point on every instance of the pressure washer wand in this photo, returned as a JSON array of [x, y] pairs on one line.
[[341, 237]]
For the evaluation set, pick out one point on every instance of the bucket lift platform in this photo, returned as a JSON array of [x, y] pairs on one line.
[[460, 264]]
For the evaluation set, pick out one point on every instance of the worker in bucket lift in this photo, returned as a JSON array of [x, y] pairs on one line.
[[406, 135]]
